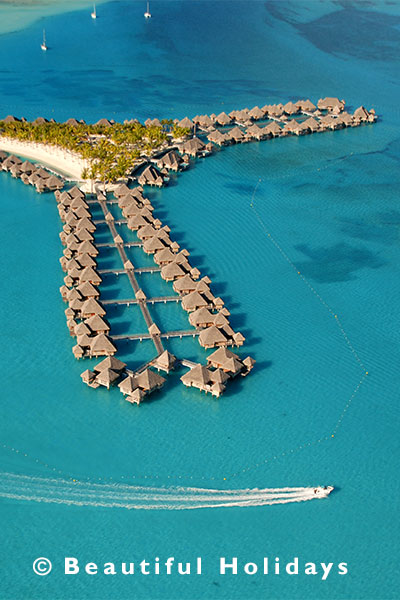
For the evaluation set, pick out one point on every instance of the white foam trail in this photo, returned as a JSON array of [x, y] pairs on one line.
[[118, 495]]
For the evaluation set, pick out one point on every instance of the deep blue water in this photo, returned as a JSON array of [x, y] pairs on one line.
[[330, 206]]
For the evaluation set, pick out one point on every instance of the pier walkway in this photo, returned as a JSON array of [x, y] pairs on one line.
[[131, 275], [155, 300], [136, 269], [146, 336]]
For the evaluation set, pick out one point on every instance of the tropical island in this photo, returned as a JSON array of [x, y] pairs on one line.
[[112, 163]]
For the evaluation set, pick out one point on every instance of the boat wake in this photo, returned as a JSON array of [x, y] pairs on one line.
[[69, 492]]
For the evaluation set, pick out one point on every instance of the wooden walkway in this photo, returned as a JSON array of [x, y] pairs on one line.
[[136, 269], [146, 336], [155, 300], [125, 245], [104, 222], [131, 275]]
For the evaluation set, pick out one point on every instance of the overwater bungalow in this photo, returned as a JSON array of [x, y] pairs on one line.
[[255, 132], [73, 294], [72, 122], [225, 360], [151, 176], [3, 156], [83, 235], [128, 385], [75, 191], [218, 138], [362, 115], [172, 271], [110, 363], [87, 248], [88, 274], [78, 202], [86, 261], [223, 119], [330, 122], [193, 301], [121, 190], [311, 124], [184, 285], [149, 381], [154, 244], [164, 257], [186, 123], [107, 377], [146, 232], [236, 134], [97, 324], [248, 364], [201, 378], [256, 113], [238, 339], [88, 377], [346, 119], [201, 318], [90, 308], [82, 329], [194, 147], [54, 183], [85, 223], [306, 106], [64, 292], [212, 337], [101, 346], [171, 161], [78, 352], [84, 341], [165, 361], [27, 167], [331, 104], [137, 222]]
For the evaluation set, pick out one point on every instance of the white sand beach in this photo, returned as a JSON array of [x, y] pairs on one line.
[[62, 161]]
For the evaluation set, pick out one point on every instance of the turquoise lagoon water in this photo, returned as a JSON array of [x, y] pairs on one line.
[[329, 204]]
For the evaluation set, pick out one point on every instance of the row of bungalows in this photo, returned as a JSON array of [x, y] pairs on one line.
[[85, 314], [222, 365], [176, 268], [30, 174], [312, 124]]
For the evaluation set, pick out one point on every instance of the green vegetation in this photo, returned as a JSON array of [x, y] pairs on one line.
[[111, 151]]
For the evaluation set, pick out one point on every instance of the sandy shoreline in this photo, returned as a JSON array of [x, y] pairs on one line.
[[62, 161]]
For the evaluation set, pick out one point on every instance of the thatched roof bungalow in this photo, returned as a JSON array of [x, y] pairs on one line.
[[331, 104], [165, 361], [91, 307], [193, 301], [212, 337], [101, 346], [151, 176]]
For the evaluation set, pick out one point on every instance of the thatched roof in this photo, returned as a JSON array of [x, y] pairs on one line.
[[128, 385], [201, 317], [186, 122], [172, 271], [92, 307], [110, 363], [223, 119], [97, 324], [86, 261], [75, 191], [154, 330], [107, 377], [331, 104], [184, 285], [153, 244], [149, 380], [198, 376], [88, 376], [256, 113], [87, 248], [193, 301], [140, 295], [211, 337], [101, 345], [219, 376], [226, 360], [164, 256], [165, 361], [84, 340], [82, 329], [89, 274]]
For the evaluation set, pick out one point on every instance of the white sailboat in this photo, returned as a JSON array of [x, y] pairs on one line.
[[43, 44], [147, 14], [94, 14]]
